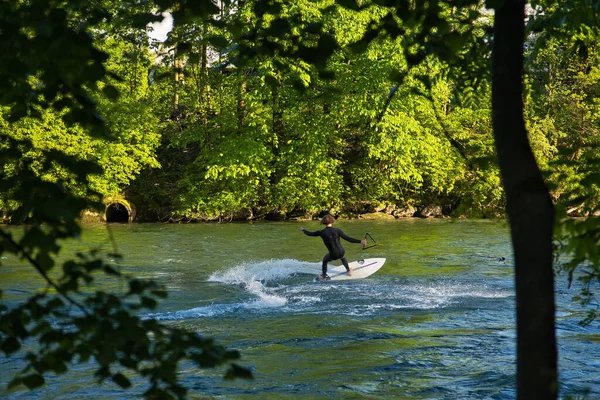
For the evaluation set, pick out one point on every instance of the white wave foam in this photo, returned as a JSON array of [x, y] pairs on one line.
[[197, 312], [268, 270], [266, 299], [442, 295], [253, 276], [458, 290], [174, 260]]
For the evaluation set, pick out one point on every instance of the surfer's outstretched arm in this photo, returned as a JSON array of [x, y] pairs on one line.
[[309, 233], [350, 239]]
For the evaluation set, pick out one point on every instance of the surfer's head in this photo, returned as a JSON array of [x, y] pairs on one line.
[[327, 219]]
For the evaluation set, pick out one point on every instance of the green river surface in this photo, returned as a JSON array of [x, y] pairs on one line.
[[436, 322]]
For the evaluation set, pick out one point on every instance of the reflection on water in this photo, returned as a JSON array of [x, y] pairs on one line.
[[436, 322]]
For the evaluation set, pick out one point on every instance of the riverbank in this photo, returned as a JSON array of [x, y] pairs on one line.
[[365, 212]]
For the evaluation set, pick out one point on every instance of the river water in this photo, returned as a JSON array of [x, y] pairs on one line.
[[436, 322]]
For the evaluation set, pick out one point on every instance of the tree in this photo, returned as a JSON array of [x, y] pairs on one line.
[[530, 210]]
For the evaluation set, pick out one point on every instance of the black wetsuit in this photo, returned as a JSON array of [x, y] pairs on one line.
[[331, 238]]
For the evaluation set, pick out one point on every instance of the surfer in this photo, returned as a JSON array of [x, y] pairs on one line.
[[331, 238]]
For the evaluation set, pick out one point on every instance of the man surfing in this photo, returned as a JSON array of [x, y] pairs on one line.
[[331, 238]]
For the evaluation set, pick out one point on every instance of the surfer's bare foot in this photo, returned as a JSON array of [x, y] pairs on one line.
[[319, 277], [350, 272]]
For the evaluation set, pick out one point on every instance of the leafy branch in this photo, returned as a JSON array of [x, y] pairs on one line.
[[18, 249], [48, 190], [104, 327]]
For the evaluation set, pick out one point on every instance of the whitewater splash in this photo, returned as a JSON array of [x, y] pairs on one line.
[[264, 271], [254, 278]]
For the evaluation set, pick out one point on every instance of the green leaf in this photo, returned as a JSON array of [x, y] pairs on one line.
[[10, 345], [238, 372], [33, 381], [121, 380], [14, 383], [160, 293], [157, 393], [44, 261], [55, 364], [148, 302], [111, 271], [105, 357], [136, 286]]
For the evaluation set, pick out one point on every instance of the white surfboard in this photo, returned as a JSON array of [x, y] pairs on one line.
[[360, 269]]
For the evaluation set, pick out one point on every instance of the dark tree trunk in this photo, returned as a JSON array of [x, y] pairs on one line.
[[529, 209], [204, 87], [178, 67], [241, 102], [278, 125], [278, 129]]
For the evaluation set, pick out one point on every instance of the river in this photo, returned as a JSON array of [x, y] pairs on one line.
[[436, 322]]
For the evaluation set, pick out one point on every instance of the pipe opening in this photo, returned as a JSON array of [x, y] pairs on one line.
[[117, 212]]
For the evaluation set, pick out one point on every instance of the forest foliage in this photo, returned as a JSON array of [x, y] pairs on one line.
[[195, 136], [278, 136]]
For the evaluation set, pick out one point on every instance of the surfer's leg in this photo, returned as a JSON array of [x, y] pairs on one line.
[[326, 259], [345, 262]]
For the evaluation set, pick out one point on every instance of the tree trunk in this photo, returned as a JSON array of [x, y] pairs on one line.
[[530, 211], [241, 102], [278, 130], [178, 68], [277, 115], [203, 106]]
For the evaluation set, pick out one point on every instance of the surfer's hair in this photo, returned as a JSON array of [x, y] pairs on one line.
[[328, 219]]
